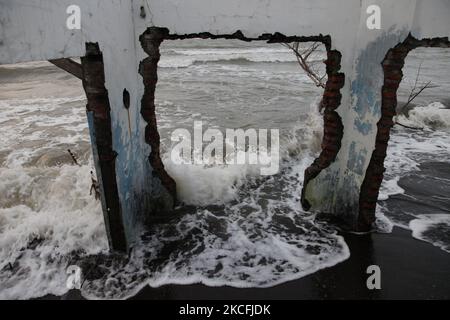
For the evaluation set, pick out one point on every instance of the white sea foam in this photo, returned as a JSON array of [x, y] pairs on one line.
[[218, 184], [259, 241], [407, 150], [432, 228], [382, 223], [390, 187], [48, 218], [45, 214], [434, 116], [246, 232], [203, 185]]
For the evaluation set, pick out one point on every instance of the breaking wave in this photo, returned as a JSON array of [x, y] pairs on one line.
[[243, 231], [408, 149], [236, 227], [434, 116], [434, 229], [185, 58]]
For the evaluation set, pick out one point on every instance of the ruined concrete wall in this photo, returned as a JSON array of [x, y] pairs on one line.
[[150, 42], [362, 113], [334, 181], [332, 122], [392, 66], [36, 30]]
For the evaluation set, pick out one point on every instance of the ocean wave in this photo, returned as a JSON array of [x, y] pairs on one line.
[[238, 229], [26, 65], [46, 214], [262, 239], [245, 247], [432, 228], [255, 236], [182, 62], [407, 150], [208, 184], [434, 116], [186, 58]]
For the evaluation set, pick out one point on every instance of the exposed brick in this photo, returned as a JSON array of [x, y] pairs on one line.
[[150, 40], [333, 127]]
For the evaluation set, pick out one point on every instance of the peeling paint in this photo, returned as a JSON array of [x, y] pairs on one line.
[[356, 160]]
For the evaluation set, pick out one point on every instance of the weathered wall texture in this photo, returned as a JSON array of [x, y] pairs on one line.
[[335, 180]]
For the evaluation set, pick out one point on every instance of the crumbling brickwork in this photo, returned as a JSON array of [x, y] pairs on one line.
[[150, 41], [333, 127]]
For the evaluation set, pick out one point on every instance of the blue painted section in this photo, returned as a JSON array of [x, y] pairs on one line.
[[359, 139], [366, 88], [366, 97], [363, 88], [141, 193], [132, 168]]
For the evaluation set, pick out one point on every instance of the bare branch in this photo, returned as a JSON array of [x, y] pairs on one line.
[[414, 95], [408, 127], [302, 59]]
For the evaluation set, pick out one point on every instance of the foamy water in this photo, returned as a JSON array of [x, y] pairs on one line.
[[238, 228]]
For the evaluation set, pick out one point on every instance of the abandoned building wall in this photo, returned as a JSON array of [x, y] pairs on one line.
[[361, 113], [290, 18], [110, 24], [116, 25]]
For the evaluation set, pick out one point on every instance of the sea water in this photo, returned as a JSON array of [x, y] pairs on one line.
[[237, 227]]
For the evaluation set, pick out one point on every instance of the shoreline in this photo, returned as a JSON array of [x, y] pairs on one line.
[[410, 269]]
